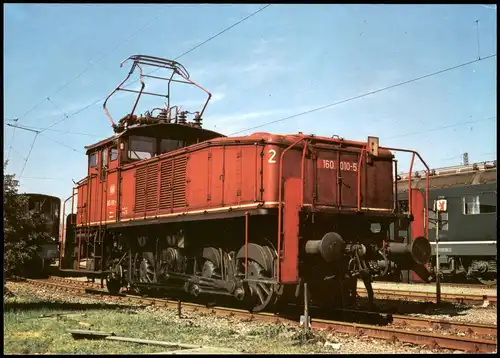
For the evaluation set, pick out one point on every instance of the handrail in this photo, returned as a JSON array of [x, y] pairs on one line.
[[427, 181], [360, 162], [246, 244], [302, 173], [280, 202], [61, 246]]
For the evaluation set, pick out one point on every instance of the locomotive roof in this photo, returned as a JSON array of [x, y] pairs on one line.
[[290, 138], [452, 180], [166, 130], [184, 131], [33, 195]]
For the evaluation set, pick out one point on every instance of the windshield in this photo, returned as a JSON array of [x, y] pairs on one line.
[[167, 145], [141, 147]]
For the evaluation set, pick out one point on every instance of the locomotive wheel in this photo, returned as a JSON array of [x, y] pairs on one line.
[[113, 280], [145, 270], [263, 293], [261, 266], [487, 282], [113, 285]]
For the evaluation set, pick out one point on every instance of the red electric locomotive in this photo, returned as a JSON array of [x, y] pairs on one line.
[[169, 205]]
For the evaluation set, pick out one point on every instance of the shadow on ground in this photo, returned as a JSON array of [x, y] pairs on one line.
[[408, 307], [29, 306]]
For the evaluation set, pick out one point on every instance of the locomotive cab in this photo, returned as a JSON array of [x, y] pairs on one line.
[[144, 142], [152, 140]]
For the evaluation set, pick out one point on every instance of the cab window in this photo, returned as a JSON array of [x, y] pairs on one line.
[[168, 145], [104, 156], [93, 160], [141, 147], [113, 153], [477, 204]]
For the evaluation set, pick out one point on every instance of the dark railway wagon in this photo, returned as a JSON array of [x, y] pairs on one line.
[[468, 229], [50, 207], [169, 205]]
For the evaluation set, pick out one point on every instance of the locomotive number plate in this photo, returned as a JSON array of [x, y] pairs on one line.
[[332, 165]]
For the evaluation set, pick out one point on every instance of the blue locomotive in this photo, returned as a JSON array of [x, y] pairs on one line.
[[467, 222]]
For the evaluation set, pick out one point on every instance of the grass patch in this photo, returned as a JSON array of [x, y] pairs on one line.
[[27, 332]]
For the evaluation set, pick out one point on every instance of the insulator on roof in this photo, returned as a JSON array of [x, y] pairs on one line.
[[182, 117], [163, 116]]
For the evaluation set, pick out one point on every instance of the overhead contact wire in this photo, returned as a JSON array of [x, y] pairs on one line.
[[91, 63], [365, 94]]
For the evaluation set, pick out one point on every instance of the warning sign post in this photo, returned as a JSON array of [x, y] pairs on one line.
[[440, 206]]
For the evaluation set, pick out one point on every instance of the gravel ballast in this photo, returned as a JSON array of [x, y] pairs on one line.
[[244, 336]]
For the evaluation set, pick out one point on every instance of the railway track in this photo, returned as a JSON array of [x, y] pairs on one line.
[[479, 338], [379, 293], [429, 296], [443, 284], [462, 285]]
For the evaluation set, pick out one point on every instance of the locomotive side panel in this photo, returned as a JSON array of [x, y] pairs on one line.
[[103, 198], [377, 186], [336, 176], [198, 171], [111, 197], [251, 183], [332, 177], [214, 176], [127, 190], [232, 175], [240, 174], [270, 172], [94, 200], [81, 208], [326, 177], [310, 174], [223, 175]]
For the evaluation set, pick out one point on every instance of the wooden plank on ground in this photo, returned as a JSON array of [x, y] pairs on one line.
[[84, 333], [205, 350]]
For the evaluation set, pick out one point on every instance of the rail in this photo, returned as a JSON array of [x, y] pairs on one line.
[[419, 296]]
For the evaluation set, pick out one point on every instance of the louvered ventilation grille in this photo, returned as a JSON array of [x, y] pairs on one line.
[[179, 182], [152, 188], [173, 183], [140, 189], [166, 185]]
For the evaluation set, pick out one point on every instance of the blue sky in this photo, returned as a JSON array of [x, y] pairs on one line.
[[285, 60]]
